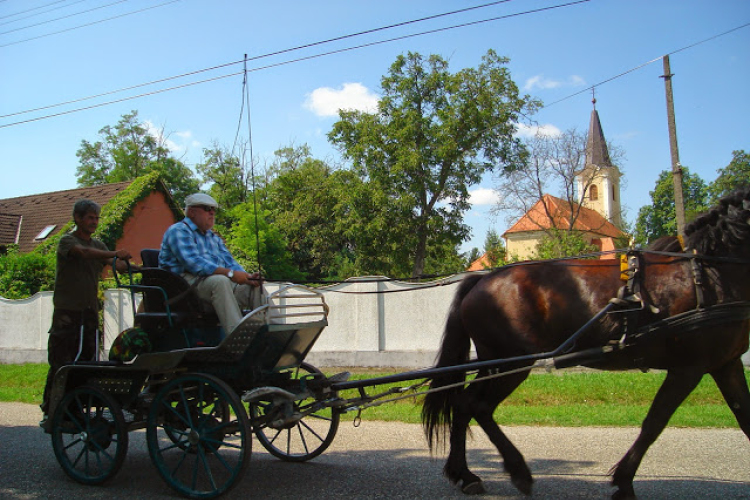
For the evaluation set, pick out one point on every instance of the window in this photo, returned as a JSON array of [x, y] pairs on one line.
[[594, 193], [45, 232]]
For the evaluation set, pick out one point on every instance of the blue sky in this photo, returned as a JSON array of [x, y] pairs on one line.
[[52, 52]]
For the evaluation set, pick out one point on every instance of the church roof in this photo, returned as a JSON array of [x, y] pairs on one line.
[[596, 147], [537, 219]]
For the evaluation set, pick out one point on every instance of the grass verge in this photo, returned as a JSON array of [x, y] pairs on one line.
[[568, 399]]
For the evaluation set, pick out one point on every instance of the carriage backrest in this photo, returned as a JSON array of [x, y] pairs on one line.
[[176, 288]]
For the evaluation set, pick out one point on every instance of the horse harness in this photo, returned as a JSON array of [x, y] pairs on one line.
[[630, 300]]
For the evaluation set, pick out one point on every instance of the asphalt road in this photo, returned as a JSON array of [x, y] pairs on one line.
[[385, 460]]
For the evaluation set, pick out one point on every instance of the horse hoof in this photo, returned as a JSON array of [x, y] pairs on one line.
[[475, 488], [522, 484], [623, 495]]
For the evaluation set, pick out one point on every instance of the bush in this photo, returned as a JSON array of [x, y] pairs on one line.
[[23, 275]]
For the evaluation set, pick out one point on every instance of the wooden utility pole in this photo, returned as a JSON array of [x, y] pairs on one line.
[[679, 202]]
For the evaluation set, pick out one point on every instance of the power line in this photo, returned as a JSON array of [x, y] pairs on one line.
[[63, 17], [38, 13], [33, 9], [270, 54], [646, 64], [283, 63], [91, 23]]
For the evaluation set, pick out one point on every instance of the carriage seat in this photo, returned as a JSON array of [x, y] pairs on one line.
[[161, 288]]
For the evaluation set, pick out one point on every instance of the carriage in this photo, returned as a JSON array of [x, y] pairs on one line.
[[199, 397]]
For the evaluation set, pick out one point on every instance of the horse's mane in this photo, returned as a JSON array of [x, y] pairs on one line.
[[724, 229]]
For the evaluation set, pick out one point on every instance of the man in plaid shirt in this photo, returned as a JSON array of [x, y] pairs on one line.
[[191, 249]]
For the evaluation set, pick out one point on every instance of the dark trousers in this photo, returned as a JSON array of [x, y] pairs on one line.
[[64, 343]]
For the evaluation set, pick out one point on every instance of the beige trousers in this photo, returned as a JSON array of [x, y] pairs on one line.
[[227, 298]]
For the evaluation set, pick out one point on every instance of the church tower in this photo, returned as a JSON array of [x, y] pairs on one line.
[[598, 183]]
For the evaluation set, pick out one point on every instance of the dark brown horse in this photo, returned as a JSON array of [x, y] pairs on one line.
[[519, 310]]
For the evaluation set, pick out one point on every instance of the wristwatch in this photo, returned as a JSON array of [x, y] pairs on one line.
[[230, 274]]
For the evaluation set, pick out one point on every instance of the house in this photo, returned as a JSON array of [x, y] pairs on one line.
[[596, 214], [134, 215]]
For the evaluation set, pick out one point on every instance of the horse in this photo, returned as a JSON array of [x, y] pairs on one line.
[[534, 307]]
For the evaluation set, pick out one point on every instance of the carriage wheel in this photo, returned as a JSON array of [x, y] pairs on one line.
[[197, 433], [306, 438], [89, 435]]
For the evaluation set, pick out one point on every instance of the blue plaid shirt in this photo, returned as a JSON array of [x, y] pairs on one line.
[[185, 249]]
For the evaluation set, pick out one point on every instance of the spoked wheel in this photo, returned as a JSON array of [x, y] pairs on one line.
[[89, 435], [197, 433], [298, 440]]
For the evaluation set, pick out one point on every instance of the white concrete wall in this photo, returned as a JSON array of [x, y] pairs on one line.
[[383, 324]]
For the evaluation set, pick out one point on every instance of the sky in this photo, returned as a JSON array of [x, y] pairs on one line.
[[69, 68]]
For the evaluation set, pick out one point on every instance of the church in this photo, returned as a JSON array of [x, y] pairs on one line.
[[597, 215]]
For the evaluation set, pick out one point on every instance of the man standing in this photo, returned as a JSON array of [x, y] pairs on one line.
[[80, 261], [191, 249]]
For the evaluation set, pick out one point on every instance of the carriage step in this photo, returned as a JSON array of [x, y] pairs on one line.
[[340, 377]]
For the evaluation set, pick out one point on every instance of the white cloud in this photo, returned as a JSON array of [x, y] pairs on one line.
[[528, 131], [483, 197], [326, 101], [540, 82]]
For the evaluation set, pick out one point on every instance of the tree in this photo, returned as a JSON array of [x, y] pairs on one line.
[[731, 177], [435, 133], [659, 219], [127, 151], [245, 240], [309, 205], [229, 179], [560, 243], [494, 248]]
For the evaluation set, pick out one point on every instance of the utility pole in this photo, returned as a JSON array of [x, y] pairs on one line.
[[679, 202]]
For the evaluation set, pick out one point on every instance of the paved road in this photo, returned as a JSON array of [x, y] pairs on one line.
[[384, 460]]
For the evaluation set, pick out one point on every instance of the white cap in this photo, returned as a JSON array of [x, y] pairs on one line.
[[200, 199]]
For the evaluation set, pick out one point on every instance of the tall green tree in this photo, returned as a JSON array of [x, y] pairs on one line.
[[435, 133], [127, 151], [731, 177], [659, 219], [309, 206]]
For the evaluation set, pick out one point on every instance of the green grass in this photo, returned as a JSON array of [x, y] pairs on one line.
[[569, 398]]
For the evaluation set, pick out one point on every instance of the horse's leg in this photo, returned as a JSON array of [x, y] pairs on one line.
[[676, 387], [733, 386], [495, 392], [456, 468]]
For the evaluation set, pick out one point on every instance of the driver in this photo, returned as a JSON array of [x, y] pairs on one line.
[[190, 248]]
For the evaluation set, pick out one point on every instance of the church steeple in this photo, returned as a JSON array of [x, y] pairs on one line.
[[599, 182], [596, 147]]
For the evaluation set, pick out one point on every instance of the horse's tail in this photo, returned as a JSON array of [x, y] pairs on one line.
[[437, 413]]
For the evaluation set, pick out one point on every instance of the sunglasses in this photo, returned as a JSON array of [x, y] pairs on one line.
[[206, 208]]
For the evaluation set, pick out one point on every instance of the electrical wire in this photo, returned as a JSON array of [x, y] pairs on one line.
[[258, 57], [269, 66], [63, 17], [119, 16], [32, 9], [646, 64], [41, 13]]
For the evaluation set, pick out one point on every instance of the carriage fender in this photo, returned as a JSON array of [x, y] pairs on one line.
[[263, 393]]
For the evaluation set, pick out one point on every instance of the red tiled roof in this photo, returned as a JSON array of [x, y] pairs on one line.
[[537, 219], [480, 264], [37, 211]]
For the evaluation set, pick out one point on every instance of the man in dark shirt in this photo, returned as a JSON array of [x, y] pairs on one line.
[[80, 261]]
